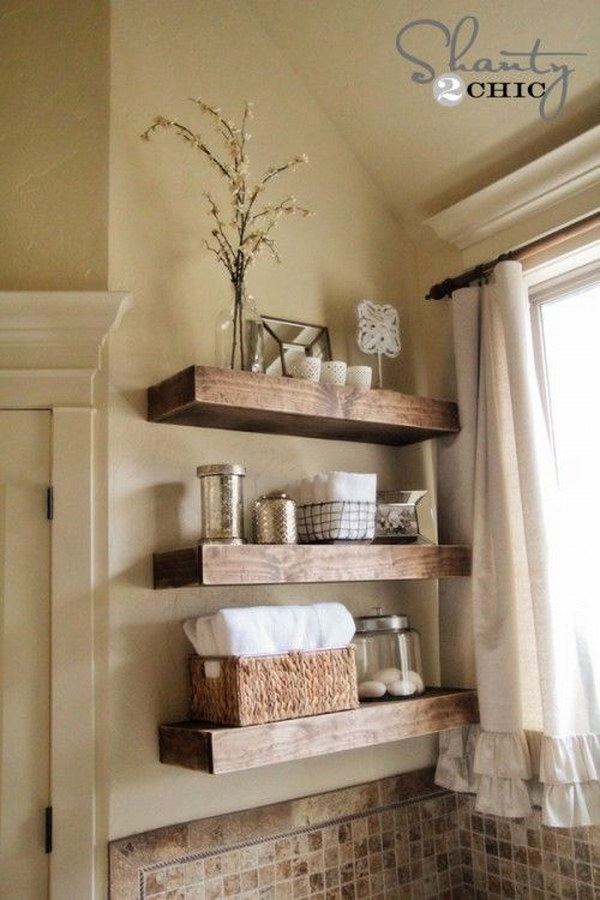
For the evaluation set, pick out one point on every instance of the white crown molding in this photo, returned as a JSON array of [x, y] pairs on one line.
[[64, 318], [559, 175], [50, 344]]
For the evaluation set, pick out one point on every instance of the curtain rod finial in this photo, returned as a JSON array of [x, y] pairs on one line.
[[441, 290]]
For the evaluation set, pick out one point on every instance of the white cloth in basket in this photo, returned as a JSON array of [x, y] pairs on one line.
[[329, 487], [200, 632], [255, 630]]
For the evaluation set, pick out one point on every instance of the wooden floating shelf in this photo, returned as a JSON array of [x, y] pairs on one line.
[[307, 563], [243, 401], [218, 749]]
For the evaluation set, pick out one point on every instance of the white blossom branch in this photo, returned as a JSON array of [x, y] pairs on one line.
[[237, 243]]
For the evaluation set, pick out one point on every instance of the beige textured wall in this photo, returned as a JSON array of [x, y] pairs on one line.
[[161, 54], [54, 146], [54, 65]]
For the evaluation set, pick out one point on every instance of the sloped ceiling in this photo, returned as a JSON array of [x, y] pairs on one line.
[[422, 155]]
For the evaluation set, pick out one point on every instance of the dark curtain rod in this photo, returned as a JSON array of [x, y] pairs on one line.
[[478, 274]]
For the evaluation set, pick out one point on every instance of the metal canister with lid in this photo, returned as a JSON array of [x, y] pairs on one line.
[[275, 520], [388, 657], [222, 503]]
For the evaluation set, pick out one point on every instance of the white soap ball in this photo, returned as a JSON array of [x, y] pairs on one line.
[[387, 675], [412, 683], [404, 687], [370, 690], [417, 681]]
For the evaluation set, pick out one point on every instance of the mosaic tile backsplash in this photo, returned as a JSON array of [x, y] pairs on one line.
[[396, 838], [523, 858]]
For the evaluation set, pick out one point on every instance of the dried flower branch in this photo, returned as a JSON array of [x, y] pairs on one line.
[[237, 242]]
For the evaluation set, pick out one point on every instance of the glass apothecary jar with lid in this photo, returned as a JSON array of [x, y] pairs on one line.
[[388, 657]]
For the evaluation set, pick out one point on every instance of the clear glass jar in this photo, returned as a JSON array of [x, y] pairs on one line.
[[388, 657], [239, 334]]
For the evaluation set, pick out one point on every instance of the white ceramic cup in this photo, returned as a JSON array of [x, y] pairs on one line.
[[333, 371], [359, 377], [306, 367]]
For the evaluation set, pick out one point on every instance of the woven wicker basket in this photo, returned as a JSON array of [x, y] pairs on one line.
[[250, 690]]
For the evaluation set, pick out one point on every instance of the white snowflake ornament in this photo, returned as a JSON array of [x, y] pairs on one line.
[[378, 331]]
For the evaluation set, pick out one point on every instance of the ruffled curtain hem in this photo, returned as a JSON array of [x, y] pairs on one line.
[[575, 758], [503, 755], [571, 805], [570, 773], [454, 769], [499, 768], [503, 797]]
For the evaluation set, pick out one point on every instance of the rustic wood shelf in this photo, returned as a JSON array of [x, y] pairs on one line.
[[243, 401], [231, 564], [219, 749]]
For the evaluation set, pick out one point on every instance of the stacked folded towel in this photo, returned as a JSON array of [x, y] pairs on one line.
[[255, 630], [327, 487]]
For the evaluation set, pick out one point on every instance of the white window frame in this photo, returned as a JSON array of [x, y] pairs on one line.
[[554, 263]]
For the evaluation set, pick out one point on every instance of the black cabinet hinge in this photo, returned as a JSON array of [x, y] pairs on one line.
[[48, 829], [50, 503]]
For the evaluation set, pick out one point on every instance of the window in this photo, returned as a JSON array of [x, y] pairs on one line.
[[566, 320]]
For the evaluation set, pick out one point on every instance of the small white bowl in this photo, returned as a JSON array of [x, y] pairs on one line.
[[333, 371]]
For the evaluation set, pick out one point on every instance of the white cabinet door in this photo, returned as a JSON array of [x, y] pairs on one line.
[[24, 652]]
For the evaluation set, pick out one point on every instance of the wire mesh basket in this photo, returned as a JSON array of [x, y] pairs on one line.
[[338, 520]]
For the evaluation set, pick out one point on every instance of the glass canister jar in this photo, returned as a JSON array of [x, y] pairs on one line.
[[388, 657], [222, 503]]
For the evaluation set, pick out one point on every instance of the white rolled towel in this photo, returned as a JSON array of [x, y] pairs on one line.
[[201, 633], [255, 630], [336, 624]]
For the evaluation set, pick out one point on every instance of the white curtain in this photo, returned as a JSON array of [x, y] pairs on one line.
[[539, 721]]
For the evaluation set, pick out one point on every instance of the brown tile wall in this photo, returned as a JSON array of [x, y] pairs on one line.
[[393, 838], [525, 859], [398, 838]]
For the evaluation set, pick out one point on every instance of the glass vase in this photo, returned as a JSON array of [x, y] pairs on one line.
[[240, 334]]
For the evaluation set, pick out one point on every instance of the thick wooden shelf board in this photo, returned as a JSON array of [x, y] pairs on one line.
[[220, 749], [307, 563], [243, 401]]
